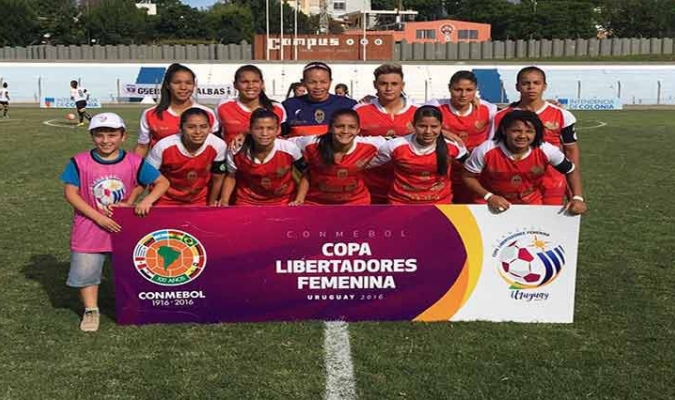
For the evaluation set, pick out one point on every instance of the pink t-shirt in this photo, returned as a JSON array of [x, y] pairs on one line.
[[101, 185]]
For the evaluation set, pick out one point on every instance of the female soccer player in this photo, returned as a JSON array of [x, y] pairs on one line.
[[4, 99], [79, 95], [193, 161], [164, 120], [511, 168], [261, 171], [389, 115], [234, 114], [421, 161], [309, 115], [559, 127], [467, 117], [341, 90], [336, 160]]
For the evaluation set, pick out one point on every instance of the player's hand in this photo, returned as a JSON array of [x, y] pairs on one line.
[[108, 224], [215, 203], [498, 204], [367, 98], [143, 208], [449, 135], [237, 142], [576, 207], [556, 103], [296, 202]]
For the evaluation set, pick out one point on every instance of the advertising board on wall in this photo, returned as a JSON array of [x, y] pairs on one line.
[[325, 47]]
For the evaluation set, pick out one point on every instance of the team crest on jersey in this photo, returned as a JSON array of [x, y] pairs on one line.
[[480, 124], [266, 183], [537, 170], [319, 115], [463, 135], [342, 173], [516, 180], [281, 171], [551, 125], [192, 176], [108, 190]]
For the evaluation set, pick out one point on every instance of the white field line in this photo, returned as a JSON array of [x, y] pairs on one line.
[[57, 124], [599, 125], [340, 382]]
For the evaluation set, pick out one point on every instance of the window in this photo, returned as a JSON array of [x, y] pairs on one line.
[[339, 6], [425, 34], [465, 34]]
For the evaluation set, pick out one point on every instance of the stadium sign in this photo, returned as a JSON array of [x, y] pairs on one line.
[[66, 102], [325, 47], [378, 263], [592, 104], [140, 90]]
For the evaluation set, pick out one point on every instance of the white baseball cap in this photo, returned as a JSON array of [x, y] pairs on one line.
[[106, 120]]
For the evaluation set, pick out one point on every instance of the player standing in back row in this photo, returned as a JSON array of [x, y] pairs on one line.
[[4, 100], [79, 95], [559, 128]]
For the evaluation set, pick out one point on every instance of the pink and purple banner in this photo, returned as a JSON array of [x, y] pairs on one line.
[[295, 263]]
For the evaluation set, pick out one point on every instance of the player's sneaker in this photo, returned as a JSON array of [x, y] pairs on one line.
[[80, 124], [90, 321]]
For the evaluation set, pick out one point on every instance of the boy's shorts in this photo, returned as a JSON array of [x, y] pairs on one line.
[[85, 269]]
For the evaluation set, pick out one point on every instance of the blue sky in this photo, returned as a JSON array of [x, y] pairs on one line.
[[199, 3]]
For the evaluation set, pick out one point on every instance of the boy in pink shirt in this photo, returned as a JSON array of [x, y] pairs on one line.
[[94, 182]]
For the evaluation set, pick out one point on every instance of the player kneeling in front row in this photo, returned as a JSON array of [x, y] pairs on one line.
[[95, 181], [510, 169]]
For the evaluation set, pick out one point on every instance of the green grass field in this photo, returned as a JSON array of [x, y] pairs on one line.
[[620, 346]]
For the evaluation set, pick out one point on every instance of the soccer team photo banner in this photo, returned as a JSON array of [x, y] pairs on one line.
[[414, 263]]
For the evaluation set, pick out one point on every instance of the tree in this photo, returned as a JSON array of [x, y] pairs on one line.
[[115, 22], [230, 23], [22, 28], [176, 20], [638, 18], [60, 19]]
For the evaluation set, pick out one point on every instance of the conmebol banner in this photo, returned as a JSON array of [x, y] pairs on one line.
[[422, 263]]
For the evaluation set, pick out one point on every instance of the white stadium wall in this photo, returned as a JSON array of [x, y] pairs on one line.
[[631, 84]]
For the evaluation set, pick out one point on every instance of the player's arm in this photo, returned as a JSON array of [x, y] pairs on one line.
[[218, 172], [473, 168], [72, 195], [161, 185], [572, 172], [303, 187], [227, 189]]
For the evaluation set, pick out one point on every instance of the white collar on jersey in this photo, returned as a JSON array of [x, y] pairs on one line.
[[406, 105], [507, 152]]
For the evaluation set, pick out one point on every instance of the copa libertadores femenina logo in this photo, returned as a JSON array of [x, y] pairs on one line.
[[169, 257]]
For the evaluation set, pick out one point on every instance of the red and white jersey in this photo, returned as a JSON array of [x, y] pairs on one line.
[[558, 123], [266, 182], [153, 128], [234, 118], [518, 181], [376, 121], [188, 174], [472, 126], [342, 181], [416, 178]]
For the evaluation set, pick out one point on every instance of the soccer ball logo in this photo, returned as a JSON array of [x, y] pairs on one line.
[[109, 191], [530, 262]]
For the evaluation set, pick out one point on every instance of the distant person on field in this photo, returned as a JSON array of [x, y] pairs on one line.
[[163, 120], [4, 100], [96, 181], [79, 95], [296, 89], [341, 90]]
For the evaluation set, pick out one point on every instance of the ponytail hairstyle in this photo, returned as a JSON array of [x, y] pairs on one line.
[[165, 91], [441, 146], [528, 118], [326, 141], [528, 70], [463, 75], [248, 147], [291, 89], [193, 111], [262, 97]]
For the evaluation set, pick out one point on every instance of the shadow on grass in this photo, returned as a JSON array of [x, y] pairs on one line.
[[52, 274]]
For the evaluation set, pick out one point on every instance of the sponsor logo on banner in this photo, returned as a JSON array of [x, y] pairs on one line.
[[139, 90], [529, 260], [66, 102], [169, 257], [591, 104]]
